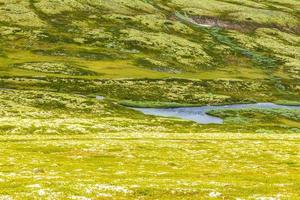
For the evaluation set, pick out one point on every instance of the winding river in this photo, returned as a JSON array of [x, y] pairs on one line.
[[199, 114]]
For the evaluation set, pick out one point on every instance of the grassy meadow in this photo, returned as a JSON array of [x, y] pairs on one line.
[[70, 70]]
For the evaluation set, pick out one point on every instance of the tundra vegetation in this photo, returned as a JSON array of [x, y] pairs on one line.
[[58, 141]]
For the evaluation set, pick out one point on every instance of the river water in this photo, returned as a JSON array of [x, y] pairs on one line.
[[199, 114]]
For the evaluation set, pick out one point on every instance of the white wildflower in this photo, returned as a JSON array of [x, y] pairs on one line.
[[104, 195], [112, 188], [215, 194], [5, 197], [41, 192], [34, 186], [79, 198]]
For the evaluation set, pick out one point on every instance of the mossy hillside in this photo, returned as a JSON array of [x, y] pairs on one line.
[[110, 33], [260, 12], [154, 22], [19, 13], [181, 51], [115, 6], [282, 45]]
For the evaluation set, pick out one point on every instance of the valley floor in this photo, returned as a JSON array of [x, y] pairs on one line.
[[150, 166], [57, 145]]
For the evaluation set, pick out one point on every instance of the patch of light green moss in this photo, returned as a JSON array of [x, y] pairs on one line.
[[154, 22], [115, 6], [54, 68], [19, 13], [180, 49], [284, 46]]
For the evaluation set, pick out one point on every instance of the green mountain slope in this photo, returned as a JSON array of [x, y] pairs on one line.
[[207, 40], [148, 38]]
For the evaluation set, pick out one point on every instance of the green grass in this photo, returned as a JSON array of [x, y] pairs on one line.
[[181, 91], [169, 166], [154, 104], [64, 146], [288, 103], [57, 141], [264, 118]]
